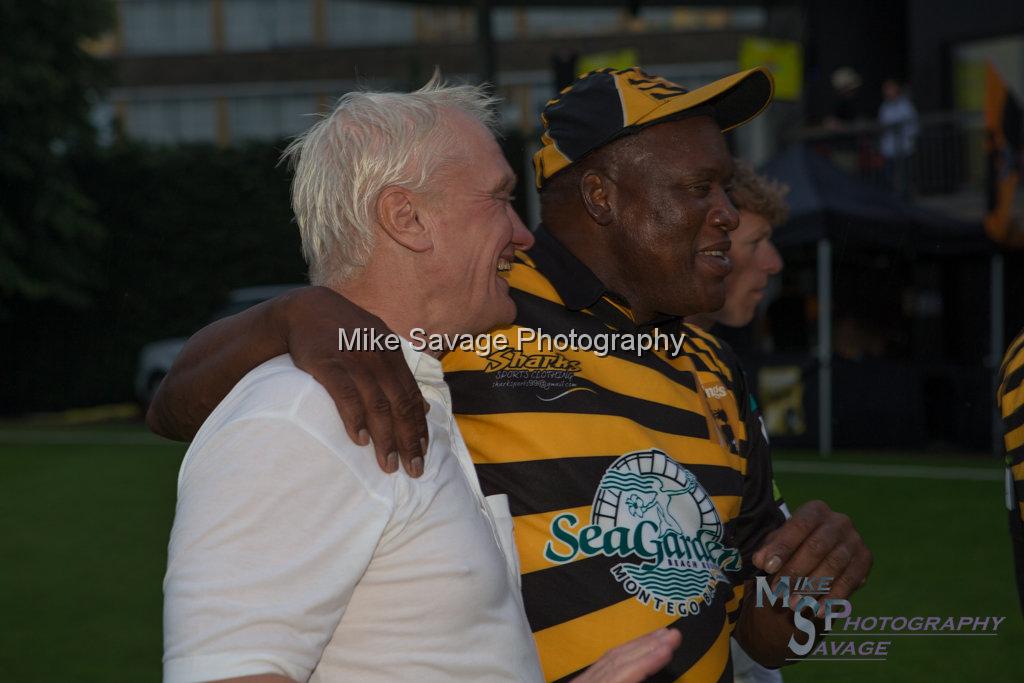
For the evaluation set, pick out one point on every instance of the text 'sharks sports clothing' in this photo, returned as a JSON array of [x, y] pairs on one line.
[[1010, 398], [640, 485]]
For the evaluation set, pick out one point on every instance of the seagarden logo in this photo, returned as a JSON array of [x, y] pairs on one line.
[[651, 508]]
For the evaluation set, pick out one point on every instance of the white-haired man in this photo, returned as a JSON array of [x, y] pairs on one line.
[[293, 556]]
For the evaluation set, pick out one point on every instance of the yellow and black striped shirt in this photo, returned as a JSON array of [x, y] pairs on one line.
[[1010, 399], [639, 484]]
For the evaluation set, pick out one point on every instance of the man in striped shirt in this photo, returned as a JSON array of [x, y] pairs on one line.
[[1010, 399], [638, 479]]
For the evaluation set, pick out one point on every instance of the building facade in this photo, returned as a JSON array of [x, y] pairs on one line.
[[230, 71]]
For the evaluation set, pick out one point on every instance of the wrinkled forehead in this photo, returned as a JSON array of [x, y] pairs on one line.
[[460, 159], [471, 140]]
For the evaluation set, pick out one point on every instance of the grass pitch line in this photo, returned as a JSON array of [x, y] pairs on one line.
[[891, 471], [85, 438]]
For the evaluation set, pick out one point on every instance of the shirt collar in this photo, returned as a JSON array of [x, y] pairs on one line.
[[576, 284], [425, 368]]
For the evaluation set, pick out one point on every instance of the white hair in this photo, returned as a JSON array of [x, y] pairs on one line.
[[370, 141]]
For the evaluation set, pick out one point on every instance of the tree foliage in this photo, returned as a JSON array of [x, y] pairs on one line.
[[184, 225], [48, 83]]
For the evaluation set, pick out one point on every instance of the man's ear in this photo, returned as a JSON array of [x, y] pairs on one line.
[[597, 192], [397, 214]]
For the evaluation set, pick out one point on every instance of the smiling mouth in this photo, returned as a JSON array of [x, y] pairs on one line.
[[715, 259], [720, 255]]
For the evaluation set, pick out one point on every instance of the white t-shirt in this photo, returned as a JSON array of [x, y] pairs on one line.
[[292, 553]]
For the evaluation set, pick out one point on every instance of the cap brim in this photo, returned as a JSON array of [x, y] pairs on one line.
[[736, 99]]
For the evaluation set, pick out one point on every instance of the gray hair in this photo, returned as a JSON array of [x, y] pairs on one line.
[[370, 141]]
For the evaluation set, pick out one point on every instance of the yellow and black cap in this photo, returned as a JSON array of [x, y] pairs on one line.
[[606, 104]]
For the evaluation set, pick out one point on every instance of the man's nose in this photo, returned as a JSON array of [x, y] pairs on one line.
[[773, 262], [522, 238], [724, 214]]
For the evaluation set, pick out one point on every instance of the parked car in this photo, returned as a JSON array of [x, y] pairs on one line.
[[156, 358]]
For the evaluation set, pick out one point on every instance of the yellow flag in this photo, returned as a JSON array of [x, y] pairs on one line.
[[784, 58], [616, 59], [1004, 121]]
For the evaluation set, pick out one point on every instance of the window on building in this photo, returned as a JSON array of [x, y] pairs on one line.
[[552, 22], [166, 26], [270, 117], [440, 24], [544, 22], [353, 23], [171, 121], [267, 24]]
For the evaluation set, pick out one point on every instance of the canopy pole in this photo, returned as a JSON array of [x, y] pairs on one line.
[[485, 43], [997, 333], [824, 346]]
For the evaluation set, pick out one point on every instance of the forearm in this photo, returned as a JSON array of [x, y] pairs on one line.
[[211, 363]]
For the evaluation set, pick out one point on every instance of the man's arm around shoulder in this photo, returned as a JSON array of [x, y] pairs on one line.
[[374, 391]]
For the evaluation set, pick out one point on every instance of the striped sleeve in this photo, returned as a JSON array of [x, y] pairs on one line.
[[1010, 401], [1010, 398]]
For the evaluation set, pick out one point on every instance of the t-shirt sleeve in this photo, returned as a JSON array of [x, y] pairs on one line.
[[762, 508], [271, 534]]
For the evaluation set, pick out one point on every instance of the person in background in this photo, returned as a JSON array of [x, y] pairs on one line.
[[762, 207], [845, 111], [1010, 401], [898, 119], [845, 120], [755, 260]]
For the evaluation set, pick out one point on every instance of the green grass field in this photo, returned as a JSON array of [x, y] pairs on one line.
[[85, 515]]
